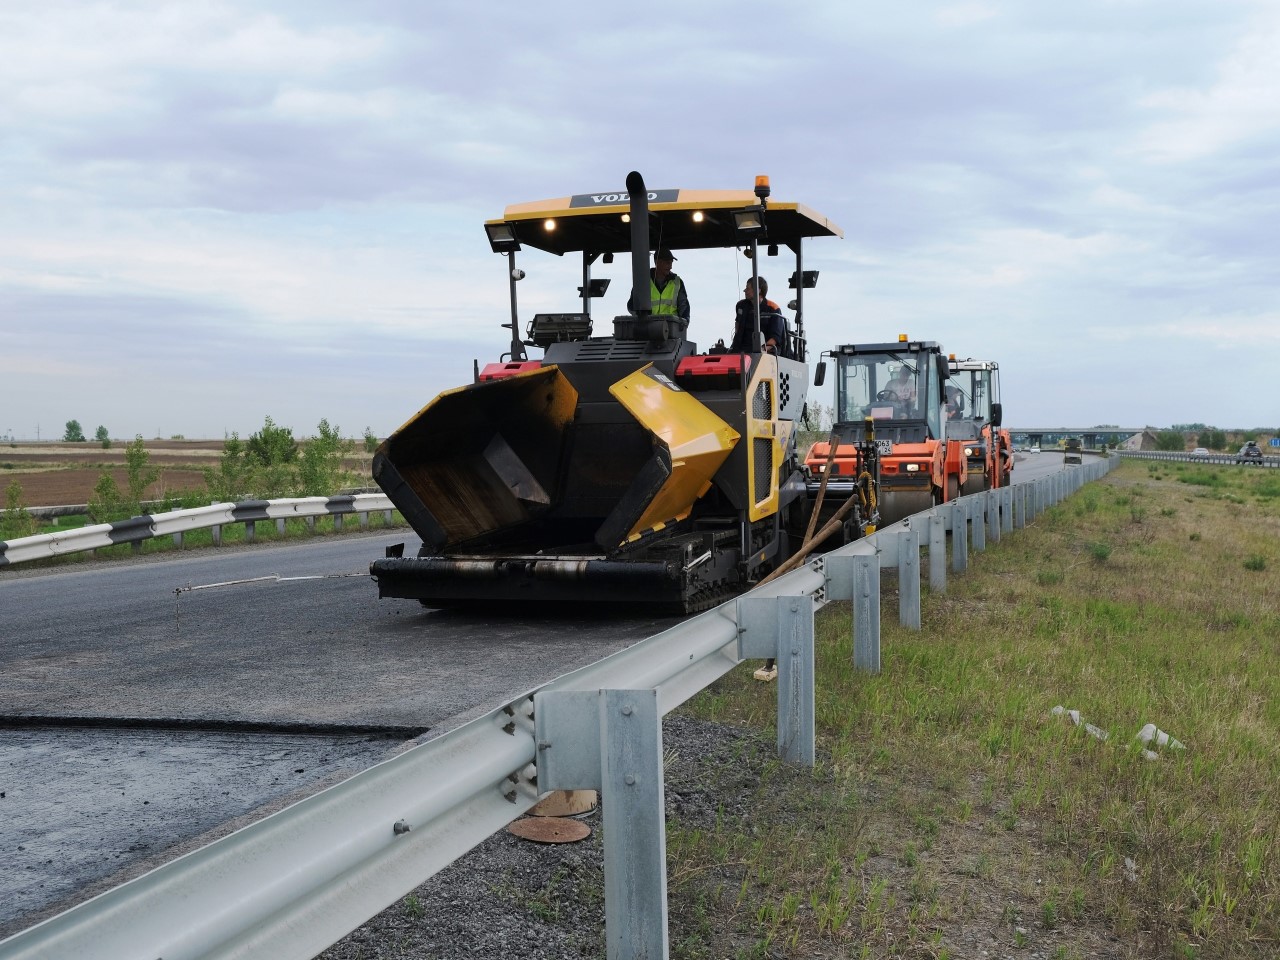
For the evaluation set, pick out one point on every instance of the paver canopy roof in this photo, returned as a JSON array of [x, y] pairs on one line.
[[678, 220]]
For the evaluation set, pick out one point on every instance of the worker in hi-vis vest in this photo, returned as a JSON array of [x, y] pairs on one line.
[[666, 290]]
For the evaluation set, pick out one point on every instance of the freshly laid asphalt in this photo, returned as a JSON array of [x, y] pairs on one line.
[[145, 705]]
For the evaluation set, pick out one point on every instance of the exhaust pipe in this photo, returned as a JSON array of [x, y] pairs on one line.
[[639, 244]]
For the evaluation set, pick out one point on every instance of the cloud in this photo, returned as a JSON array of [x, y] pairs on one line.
[[310, 180], [1237, 108]]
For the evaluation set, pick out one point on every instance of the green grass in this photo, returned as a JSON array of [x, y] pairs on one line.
[[948, 789]]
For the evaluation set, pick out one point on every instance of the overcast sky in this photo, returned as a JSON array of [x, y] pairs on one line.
[[214, 212]]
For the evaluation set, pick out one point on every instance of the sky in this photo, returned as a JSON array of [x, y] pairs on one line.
[[215, 212]]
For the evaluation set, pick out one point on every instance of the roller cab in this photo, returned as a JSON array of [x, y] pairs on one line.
[[897, 388]]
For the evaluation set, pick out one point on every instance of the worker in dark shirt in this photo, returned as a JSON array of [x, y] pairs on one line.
[[773, 326]]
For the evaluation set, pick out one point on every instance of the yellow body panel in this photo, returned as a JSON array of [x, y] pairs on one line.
[[766, 433], [698, 442]]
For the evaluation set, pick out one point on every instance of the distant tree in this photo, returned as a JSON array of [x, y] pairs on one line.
[[320, 466], [74, 433], [370, 440], [271, 454], [1212, 439], [1171, 440], [272, 445], [103, 438]]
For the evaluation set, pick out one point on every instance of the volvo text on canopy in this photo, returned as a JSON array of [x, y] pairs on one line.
[[623, 465]]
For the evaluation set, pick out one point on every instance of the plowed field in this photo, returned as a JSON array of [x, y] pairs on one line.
[[57, 474]]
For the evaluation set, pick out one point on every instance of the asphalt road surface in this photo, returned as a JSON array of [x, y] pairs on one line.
[[179, 694]]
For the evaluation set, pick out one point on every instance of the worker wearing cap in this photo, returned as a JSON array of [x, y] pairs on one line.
[[666, 290], [773, 327]]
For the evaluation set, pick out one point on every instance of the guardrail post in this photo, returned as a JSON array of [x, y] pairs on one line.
[[280, 526], [782, 628], [992, 497], [364, 519], [909, 578], [959, 537], [216, 530], [311, 524], [937, 552], [866, 613], [976, 507], [386, 517], [635, 847], [250, 531], [1006, 511], [177, 540], [337, 522], [611, 740]]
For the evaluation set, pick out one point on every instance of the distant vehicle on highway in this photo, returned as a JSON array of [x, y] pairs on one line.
[[1199, 452], [1034, 449], [1249, 453]]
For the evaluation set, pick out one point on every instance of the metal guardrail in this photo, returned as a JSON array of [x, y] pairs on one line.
[[1205, 458], [294, 883], [177, 522]]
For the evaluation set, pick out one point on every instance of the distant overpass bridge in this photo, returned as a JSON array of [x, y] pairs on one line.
[[1090, 437]]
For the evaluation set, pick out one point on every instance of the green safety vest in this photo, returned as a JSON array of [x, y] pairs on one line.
[[665, 305]]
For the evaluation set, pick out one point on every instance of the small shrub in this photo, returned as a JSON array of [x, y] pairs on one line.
[[1100, 552], [15, 522], [1256, 562], [230, 481], [1201, 478], [320, 471], [1049, 914], [107, 503]]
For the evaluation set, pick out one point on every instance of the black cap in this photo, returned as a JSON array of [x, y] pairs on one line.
[[664, 254]]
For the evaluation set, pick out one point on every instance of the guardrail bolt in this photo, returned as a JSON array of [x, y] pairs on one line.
[[629, 780], [400, 827], [626, 712]]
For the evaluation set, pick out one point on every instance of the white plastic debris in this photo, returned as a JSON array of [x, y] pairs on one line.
[[1074, 717], [1150, 732], [1130, 870], [1097, 731]]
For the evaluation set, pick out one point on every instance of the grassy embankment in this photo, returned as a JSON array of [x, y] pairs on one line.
[[953, 813]]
